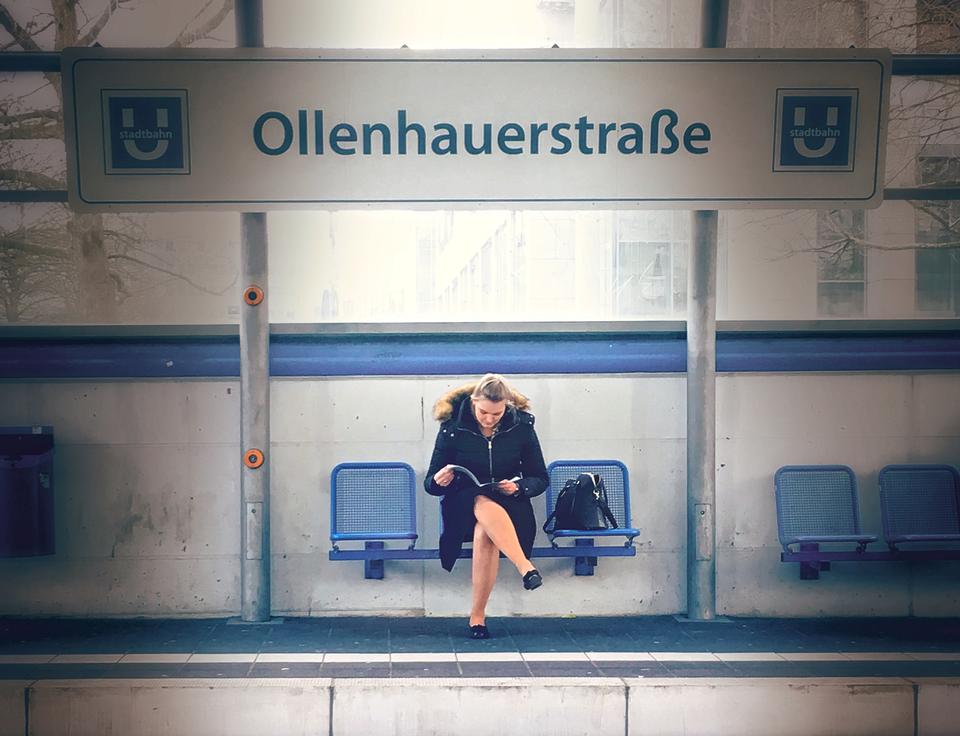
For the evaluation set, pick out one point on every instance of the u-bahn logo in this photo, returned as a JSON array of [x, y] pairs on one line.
[[815, 130], [146, 131]]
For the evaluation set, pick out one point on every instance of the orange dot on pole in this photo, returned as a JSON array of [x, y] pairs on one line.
[[253, 458], [253, 295]]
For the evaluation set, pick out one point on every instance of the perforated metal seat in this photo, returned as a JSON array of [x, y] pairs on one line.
[[373, 501], [615, 480], [818, 504], [920, 503]]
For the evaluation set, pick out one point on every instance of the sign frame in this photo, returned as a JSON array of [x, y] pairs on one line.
[[85, 188]]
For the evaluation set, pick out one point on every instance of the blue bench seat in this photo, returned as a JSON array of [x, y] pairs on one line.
[[819, 504], [920, 503], [375, 503]]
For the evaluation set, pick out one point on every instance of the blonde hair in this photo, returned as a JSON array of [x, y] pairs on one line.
[[493, 387]]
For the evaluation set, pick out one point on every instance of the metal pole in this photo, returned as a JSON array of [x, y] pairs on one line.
[[254, 382], [701, 418], [701, 381]]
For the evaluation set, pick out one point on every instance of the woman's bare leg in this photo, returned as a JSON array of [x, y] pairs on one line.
[[486, 560], [496, 523]]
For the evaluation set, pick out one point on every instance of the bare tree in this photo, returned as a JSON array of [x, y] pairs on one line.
[[55, 264], [924, 115]]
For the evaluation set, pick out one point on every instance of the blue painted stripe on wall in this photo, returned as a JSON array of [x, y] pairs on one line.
[[346, 355], [838, 351]]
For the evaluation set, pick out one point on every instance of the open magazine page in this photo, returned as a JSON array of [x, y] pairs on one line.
[[475, 480]]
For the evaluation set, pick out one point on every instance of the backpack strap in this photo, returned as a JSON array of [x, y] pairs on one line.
[[550, 518], [600, 494], [607, 513]]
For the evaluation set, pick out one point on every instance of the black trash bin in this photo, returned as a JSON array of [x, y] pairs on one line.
[[26, 491]]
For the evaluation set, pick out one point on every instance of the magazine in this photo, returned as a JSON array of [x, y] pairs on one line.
[[475, 480]]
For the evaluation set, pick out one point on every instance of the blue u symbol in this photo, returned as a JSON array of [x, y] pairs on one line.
[[828, 143], [133, 147]]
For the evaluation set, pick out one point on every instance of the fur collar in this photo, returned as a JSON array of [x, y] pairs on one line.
[[443, 409]]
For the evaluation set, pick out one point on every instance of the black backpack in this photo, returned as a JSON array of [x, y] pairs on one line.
[[581, 504]]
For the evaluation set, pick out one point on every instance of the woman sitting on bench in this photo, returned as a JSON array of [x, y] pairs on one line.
[[487, 465]]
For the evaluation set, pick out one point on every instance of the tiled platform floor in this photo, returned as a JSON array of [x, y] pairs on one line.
[[33, 649]]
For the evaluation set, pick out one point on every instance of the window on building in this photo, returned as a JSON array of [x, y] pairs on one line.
[[938, 235], [650, 264], [938, 26], [841, 263]]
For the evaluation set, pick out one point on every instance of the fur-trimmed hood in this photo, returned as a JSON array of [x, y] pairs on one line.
[[443, 409]]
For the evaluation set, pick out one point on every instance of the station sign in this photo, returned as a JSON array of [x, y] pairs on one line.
[[257, 129]]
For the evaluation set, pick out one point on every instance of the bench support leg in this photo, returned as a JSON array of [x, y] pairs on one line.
[[373, 569], [811, 570], [584, 565]]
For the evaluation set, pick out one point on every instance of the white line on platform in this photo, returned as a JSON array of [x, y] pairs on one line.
[[423, 657], [221, 658], [154, 658], [489, 657], [355, 657], [620, 656], [308, 657], [555, 656], [86, 658], [684, 657], [749, 657], [26, 658], [369, 657]]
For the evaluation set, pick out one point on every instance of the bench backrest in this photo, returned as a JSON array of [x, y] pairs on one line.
[[919, 499], [816, 500], [615, 480], [373, 501]]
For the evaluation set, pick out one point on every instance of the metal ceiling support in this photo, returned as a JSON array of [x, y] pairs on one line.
[[904, 65]]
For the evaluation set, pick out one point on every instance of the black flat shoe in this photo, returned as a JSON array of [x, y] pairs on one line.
[[479, 632], [532, 580]]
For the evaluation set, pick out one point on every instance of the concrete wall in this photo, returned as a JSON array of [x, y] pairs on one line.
[[422, 706], [147, 487]]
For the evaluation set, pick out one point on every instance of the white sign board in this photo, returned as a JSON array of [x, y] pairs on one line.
[[252, 129]]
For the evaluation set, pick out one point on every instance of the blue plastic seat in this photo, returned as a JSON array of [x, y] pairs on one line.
[[920, 503], [615, 480], [373, 502], [818, 504]]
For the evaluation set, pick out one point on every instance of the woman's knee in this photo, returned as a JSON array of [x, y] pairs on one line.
[[481, 540]]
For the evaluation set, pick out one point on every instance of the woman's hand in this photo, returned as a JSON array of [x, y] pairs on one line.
[[444, 476], [508, 487]]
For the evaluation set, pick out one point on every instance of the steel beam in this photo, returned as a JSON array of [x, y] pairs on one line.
[[904, 65], [254, 383], [702, 379]]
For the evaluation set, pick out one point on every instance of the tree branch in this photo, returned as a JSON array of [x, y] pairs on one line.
[[31, 178], [33, 131], [9, 244], [90, 36], [187, 38], [25, 116], [174, 274], [19, 33]]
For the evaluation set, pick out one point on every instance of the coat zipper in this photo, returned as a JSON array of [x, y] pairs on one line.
[[490, 451], [490, 443]]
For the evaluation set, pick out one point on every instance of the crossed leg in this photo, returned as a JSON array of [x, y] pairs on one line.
[[493, 533], [486, 561]]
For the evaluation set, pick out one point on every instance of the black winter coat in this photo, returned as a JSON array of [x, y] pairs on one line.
[[513, 451]]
